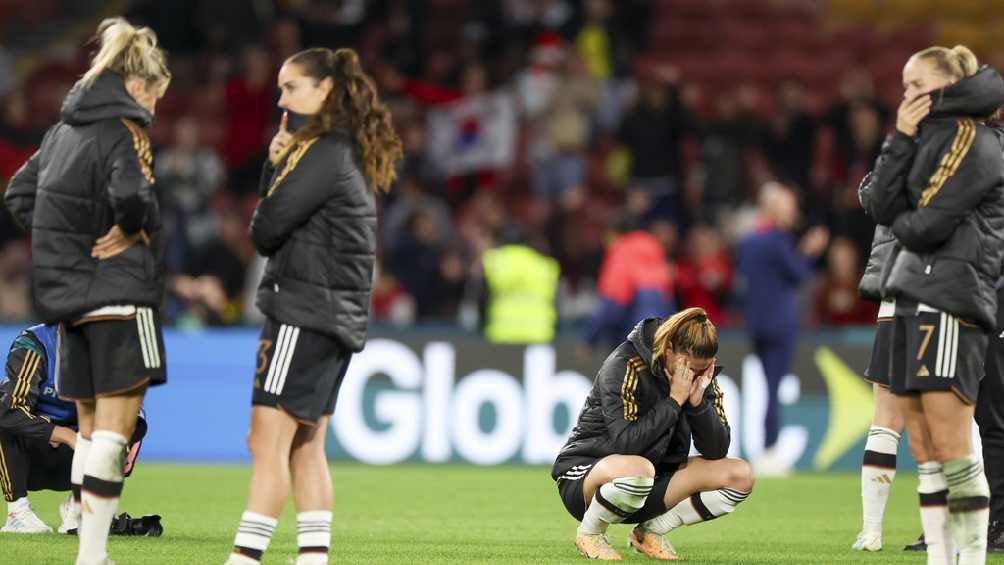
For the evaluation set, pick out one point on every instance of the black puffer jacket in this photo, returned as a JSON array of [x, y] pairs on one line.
[[883, 250], [93, 171], [943, 196], [316, 223], [629, 412]]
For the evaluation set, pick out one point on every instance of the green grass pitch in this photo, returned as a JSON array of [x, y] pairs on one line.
[[461, 514]]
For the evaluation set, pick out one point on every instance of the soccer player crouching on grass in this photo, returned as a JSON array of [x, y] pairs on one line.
[[627, 457], [38, 434]]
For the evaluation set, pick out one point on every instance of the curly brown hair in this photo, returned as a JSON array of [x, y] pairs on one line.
[[352, 104]]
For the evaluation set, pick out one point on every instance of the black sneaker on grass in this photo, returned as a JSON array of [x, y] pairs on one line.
[[919, 545], [995, 537]]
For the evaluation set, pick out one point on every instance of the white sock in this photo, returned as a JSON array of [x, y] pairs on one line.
[[313, 536], [933, 493], [100, 492], [77, 465], [238, 559], [699, 507], [615, 501], [253, 536], [968, 508], [878, 470]]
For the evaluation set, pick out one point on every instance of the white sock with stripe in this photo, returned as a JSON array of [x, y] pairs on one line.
[[253, 536], [313, 536], [878, 470], [615, 501], [968, 508], [77, 465], [100, 492], [699, 507], [282, 356], [933, 491]]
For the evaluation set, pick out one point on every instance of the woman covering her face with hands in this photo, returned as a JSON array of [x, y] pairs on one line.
[[627, 457], [938, 186]]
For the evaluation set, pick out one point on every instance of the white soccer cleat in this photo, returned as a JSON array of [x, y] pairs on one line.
[[868, 542], [22, 520], [69, 515]]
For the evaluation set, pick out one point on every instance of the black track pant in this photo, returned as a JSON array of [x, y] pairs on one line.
[[32, 464], [990, 417]]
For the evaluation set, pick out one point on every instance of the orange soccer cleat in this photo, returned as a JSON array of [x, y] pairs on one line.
[[596, 546], [651, 544]]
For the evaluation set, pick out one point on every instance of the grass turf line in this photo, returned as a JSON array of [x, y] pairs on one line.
[[419, 514]]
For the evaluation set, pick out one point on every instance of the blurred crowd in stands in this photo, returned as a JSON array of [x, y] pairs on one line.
[[573, 122]]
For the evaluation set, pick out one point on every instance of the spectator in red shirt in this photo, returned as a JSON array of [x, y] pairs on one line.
[[250, 99], [704, 275], [635, 281]]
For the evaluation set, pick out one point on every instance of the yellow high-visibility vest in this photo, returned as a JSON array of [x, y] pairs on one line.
[[522, 285]]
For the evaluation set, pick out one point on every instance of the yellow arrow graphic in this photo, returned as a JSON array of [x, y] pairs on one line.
[[851, 407]]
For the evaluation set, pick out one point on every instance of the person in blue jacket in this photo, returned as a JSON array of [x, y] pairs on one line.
[[38, 431], [772, 270]]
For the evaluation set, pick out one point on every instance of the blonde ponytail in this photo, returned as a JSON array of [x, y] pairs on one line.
[[967, 61], [688, 331], [128, 51], [958, 62]]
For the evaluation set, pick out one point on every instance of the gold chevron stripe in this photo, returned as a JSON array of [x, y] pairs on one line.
[[628, 388], [23, 383], [964, 136], [719, 402], [939, 175], [141, 143], [8, 490], [291, 162]]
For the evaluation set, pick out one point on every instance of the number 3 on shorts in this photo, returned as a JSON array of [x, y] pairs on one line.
[[263, 347]]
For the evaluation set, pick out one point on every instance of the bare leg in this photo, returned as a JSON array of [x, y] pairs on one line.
[[701, 475], [949, 420], [312, 493], [270, 441], [702, 490]]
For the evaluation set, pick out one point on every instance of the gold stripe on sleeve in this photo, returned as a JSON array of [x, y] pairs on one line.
[[964, 136]]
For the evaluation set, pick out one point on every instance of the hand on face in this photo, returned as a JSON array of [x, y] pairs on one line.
[[701, 382], [681, 380], [911, 112], [280, 142]]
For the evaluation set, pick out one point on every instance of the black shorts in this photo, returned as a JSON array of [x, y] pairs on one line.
[[298, 370], [881, 359], [109, 356], [570, 490], [937, 351]]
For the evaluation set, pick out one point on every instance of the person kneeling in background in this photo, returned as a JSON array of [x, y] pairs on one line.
[[37, 437]]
